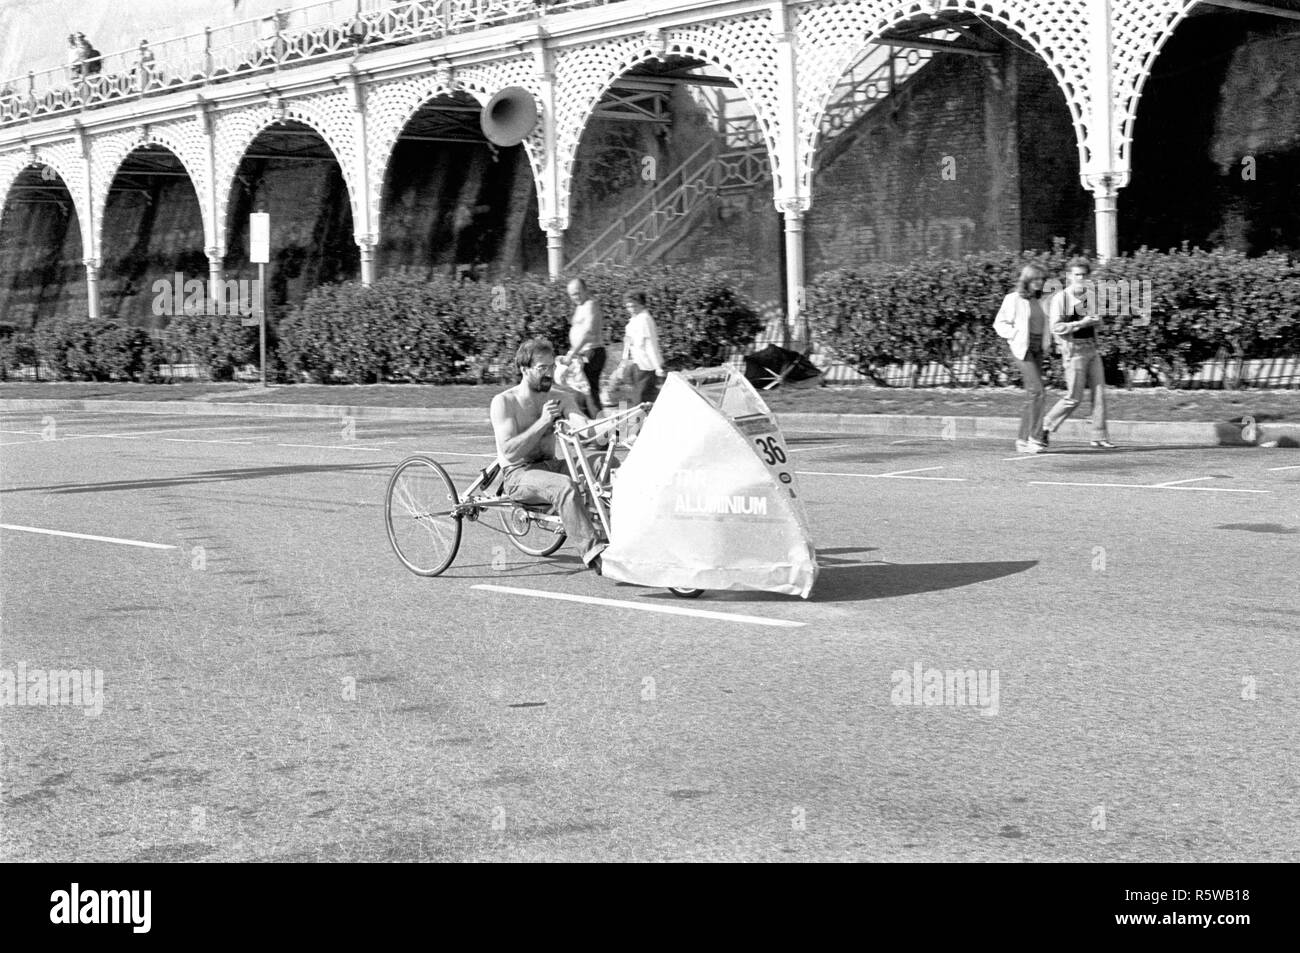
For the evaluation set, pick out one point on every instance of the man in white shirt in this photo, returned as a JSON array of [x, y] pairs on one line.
[[642, 364]]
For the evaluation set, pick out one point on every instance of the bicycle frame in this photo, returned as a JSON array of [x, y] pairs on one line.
[[574, 445]]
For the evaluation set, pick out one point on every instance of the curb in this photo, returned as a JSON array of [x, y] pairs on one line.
[[1166, 433], [215, 408], [1170, 433]]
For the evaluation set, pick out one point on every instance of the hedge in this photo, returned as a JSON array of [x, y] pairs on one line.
[[86, 350], [438, 330], [1204, 305]]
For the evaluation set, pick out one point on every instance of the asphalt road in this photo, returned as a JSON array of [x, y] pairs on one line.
[[277, 686]]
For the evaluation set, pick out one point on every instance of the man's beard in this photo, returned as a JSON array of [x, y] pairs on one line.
[[542, 386]]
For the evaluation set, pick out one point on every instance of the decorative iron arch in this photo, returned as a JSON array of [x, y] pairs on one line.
[[390, 106], [63, 158], [329, 115], [182, 140], [832, 36], [1139, 31], [744, 48]]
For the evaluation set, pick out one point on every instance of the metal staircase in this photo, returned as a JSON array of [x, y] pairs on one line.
[[738, 163]]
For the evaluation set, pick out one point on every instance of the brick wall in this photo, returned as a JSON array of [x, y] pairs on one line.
[[971, 155]]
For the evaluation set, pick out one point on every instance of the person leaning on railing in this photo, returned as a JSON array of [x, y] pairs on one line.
[[144, 73], [76, 57]]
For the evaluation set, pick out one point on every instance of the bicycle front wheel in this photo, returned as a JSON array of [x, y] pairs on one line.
[[422, 514]]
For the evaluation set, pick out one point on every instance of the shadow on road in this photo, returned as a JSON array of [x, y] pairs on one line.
[[208, 476], [851, 580], [887, 580]]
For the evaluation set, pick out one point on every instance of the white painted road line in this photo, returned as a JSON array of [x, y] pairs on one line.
[[1149, 486], [337, 446], [98, 539], [1274, 469], [643, 607], [434, 454], [1177, 482], [242, 443], [448, 453], [894, 473], [884, 476]]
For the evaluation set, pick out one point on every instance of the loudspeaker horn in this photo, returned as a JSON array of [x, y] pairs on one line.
[[509, 116]]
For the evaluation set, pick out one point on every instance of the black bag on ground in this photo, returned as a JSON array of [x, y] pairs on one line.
[[775, 366]]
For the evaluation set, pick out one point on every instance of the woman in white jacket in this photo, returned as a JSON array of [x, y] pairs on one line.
[[1023, 322]]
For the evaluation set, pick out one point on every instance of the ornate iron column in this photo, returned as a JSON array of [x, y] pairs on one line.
[[548, 197], [1103, 176], [363, 226], [791, 200], [90, 243]]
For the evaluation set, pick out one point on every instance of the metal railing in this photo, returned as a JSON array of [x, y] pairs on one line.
[[309, 33], [703, 175], [873, 77]]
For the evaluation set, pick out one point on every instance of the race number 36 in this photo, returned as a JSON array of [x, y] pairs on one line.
[[771, 450]]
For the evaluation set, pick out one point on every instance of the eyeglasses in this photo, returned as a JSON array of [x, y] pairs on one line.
[[543, 367]]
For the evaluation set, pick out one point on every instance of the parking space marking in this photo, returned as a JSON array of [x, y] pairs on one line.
[[98, 539], [643, 607], [834, 446], [1150, 486]]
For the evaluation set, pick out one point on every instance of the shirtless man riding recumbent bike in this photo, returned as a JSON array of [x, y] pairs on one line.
[[551, 480]]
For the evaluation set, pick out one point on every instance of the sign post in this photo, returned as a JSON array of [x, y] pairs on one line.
[[259, 253]]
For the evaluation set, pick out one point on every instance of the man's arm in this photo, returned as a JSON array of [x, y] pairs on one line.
[[1056, 314], [510, 439]]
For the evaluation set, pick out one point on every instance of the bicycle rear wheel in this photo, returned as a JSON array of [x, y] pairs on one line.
[[421, 513]]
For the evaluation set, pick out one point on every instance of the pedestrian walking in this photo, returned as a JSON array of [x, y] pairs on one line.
[[1022, 321], [587, 341], [1072, 314], [642, 364]]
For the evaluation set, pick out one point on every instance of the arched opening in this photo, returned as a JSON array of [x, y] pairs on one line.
[[673, 167], [290, 172], [41, 251], [152, 229], [454, 203], [1216, 138], [948, 135]]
